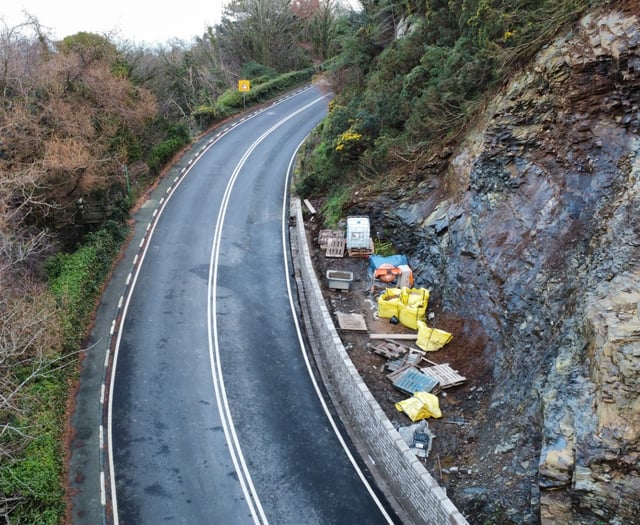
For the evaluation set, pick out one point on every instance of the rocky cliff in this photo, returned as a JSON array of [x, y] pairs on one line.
[[533, 230]]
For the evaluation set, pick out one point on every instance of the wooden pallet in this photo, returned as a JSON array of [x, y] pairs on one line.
[[389, 349], [445, 375], [413, 357], [335, 247], [361, 252], [325, 235]]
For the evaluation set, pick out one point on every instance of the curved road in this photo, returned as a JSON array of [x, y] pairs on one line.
[[213, 415]]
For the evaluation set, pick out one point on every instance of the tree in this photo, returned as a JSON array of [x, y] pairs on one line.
[[265, 31], [183, 78], [318, 18], [67, 116]]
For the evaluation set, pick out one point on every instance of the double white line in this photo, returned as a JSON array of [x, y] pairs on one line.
[[255, 507]]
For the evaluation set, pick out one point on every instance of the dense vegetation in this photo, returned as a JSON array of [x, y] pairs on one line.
[[88, 123], [410, 78]]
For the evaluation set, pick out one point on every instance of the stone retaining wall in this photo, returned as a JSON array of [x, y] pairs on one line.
[[407, 480]]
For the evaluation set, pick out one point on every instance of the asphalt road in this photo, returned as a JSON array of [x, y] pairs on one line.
[[212, 415]]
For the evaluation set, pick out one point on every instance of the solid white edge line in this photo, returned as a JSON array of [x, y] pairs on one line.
[[285, 222]]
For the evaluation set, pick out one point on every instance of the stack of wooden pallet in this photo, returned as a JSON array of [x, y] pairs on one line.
[[333, 242]]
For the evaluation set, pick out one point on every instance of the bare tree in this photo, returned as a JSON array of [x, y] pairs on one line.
[[65, 117], [183, 77]]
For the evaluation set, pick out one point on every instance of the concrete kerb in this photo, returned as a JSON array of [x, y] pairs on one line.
[[403, 477]]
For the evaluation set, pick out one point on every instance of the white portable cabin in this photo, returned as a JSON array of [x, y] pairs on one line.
[[358, 234]]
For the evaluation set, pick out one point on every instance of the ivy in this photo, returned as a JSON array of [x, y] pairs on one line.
[[76, 279]]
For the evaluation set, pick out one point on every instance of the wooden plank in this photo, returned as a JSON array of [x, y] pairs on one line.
[[309, 206], [406, 337], [351, 321]]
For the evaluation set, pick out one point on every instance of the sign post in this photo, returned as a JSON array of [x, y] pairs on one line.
[[244, 86]]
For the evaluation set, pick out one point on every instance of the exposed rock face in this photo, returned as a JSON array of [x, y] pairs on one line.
[[534, 231]]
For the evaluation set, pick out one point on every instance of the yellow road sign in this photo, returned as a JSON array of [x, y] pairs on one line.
[[244, 85]]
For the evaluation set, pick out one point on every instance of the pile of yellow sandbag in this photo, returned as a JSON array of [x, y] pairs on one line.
[[409, 306]]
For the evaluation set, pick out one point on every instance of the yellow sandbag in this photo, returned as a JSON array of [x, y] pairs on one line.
[[413, 307], [388, 303], [409, 316], [418, 297], [421, 406], [431, 339]]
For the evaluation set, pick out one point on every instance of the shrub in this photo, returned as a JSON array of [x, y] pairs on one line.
[[76, 279], [253, 70], [233, 101], [160, 155]]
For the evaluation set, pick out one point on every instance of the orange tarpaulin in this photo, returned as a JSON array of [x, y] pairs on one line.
[[387, 273]]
